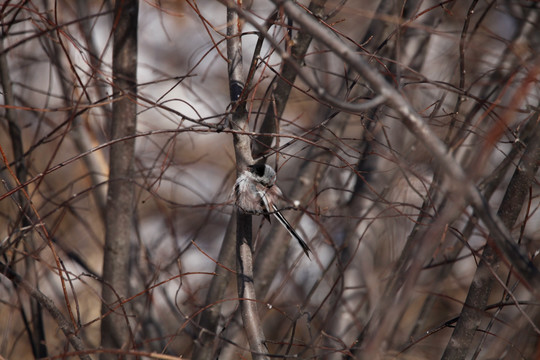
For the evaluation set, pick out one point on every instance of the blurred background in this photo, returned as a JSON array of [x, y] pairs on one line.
[[365, 190]]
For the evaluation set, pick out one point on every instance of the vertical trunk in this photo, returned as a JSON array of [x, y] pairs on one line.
[[120, 197]]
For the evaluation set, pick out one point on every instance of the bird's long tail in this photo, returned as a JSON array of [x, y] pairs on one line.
[[291, 231]]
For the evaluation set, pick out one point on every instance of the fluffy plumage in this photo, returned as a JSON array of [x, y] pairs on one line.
[[256, 193]]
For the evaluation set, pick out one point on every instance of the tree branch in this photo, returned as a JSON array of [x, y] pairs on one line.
[[242, 145], [64, 324], [120, 205], [462, 184], [483, 280]]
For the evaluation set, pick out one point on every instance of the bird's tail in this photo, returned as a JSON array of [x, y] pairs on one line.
[[291, 231]]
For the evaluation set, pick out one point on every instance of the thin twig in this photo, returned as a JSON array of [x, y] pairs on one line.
[[65, 325]]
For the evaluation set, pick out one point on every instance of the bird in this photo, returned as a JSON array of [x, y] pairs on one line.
[[255, 192]]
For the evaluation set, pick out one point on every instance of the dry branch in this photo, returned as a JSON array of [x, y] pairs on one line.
[[120, 197], [517, 191], [242, 145], [412, 120], [64, 324]]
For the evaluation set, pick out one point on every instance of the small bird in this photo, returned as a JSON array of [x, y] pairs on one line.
[[255, 192]]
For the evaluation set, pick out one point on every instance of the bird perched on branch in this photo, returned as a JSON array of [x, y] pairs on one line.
[[255, 192]]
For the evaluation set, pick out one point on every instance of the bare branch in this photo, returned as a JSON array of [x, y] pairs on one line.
[[242, 146], [468, 322], [64, 324], [120, 197], [411, 119]]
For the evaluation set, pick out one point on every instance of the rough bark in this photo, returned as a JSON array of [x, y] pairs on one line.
[[120, 197]]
